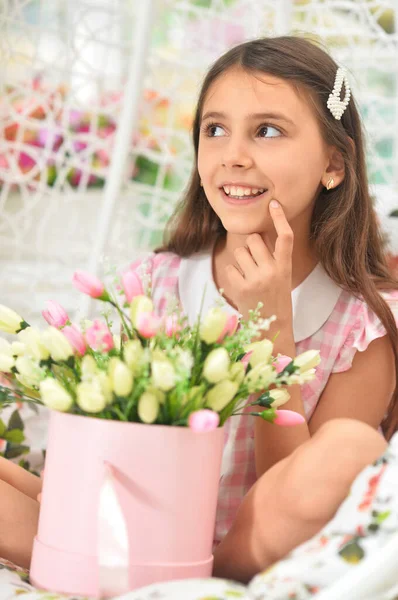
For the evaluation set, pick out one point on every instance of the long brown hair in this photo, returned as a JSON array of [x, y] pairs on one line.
[[344, 226]]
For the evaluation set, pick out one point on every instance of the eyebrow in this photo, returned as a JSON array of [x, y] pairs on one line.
[[252, 116]]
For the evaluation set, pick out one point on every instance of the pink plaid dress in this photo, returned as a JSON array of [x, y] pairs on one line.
[[325, 318]]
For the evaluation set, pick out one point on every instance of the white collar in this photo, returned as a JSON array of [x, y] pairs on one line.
[[313, 300]]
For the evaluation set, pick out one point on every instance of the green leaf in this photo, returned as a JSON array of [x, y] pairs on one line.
[[3, 428], [15, 421], [382, 516], [352, 552], [15, 436], [15, 451]]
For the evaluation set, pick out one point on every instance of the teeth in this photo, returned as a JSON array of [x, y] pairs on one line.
[[232, 190]]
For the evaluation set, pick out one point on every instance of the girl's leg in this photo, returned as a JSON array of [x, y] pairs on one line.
[[292, 501], [19, 478], [19, 512], [19, 515]]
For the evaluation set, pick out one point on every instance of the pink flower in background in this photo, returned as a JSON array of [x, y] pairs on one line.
[[49, 138], [172, 326], [88, 284], [99, 337], [132, 285], [203, 420], [281, 362], [288, 418], [26, 162], [55, 314], [230, 327], [147, 324], [75, 338]]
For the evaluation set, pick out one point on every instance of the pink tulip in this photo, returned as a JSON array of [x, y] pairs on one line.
[[147, 324], [172, 326], [88, 284], [230, 327], [203, 420], [281, 362], [132, 285], [55, 314], [245, 360], [288, 418], [99, 337], [75, 338]]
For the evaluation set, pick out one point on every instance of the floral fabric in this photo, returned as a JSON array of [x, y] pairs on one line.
[[361, 528]]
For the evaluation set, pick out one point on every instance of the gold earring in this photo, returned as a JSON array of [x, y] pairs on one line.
[[330, 184]]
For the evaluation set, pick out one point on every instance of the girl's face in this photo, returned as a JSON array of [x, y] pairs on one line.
[[259, 140]]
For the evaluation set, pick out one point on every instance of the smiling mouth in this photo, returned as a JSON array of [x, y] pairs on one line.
[[246, 197]]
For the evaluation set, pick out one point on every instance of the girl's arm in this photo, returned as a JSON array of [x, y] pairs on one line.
[[363, 392], [273, 443]]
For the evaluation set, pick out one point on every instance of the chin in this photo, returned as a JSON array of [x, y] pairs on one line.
[[244, 226]]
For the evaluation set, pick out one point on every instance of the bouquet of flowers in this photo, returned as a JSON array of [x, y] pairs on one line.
[[156, 369]]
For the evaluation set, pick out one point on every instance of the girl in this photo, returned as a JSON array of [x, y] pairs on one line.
[[278, 211]]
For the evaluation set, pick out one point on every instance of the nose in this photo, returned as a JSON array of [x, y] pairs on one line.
[[236, 154]]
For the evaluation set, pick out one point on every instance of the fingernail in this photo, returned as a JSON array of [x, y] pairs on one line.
[[274, 204]]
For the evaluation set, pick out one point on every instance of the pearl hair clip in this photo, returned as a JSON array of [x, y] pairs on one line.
[[334, 103]]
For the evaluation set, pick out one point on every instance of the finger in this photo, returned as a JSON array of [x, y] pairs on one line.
[[235, 277], [259, 249], [284, 240], [245, 261]]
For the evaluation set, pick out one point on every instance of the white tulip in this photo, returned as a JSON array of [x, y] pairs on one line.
[[6, 363], [90, 397], [57, 344], [30, 370], [148, 407], [163, 375], [55, 396], [279, 397], [213, 325], [260, 378], [88, 367], [5, 347], [237, 372], [34, 346], [221, 394], [262, 352], [121, 379], [133, 353], [17, 349], [216, 365], [106, 386], [307, 360], [10, 321]]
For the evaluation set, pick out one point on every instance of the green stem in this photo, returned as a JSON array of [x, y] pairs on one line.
[[122, 316]]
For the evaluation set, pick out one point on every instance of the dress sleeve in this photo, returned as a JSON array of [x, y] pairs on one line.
[[366, 329]]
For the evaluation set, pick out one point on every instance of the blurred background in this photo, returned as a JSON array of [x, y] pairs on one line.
[[96, 105]]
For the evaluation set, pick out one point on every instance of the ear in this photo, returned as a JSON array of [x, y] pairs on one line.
[[335, 168]]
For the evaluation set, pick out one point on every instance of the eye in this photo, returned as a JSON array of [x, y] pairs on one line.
[[213, 130], [268, 131]]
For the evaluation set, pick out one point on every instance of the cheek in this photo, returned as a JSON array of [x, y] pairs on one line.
[[298, 173]]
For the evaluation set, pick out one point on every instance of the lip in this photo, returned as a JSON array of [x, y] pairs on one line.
[[244, 202]]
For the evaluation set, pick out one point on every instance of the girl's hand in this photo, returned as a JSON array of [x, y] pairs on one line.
[[266, 276]]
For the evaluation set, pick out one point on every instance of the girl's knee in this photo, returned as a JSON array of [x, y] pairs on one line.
[[349, 437]]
